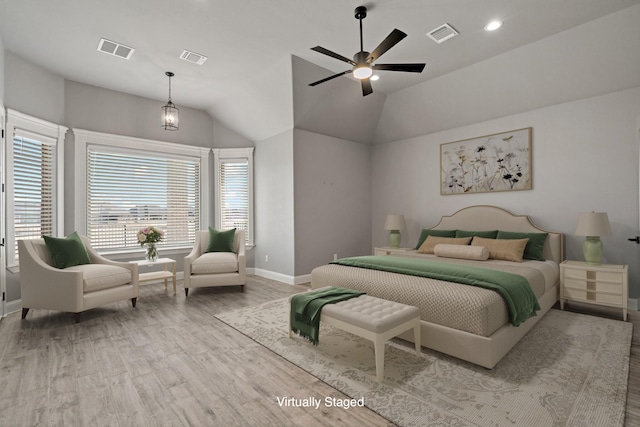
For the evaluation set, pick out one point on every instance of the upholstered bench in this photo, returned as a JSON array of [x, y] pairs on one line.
[[375, 319]]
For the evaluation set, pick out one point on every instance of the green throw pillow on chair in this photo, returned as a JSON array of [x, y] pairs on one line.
[[67, 252], [221, 241]]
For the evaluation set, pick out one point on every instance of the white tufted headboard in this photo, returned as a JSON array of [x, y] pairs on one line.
[[484, 217]]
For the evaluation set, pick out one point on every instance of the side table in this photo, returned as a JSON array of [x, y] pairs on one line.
[[601, 284], [166, 274]]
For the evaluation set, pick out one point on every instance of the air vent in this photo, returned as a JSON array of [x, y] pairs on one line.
[[442, 33], [115, 49], [196, 58]]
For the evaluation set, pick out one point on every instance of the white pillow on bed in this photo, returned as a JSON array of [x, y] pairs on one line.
[[479, 253]]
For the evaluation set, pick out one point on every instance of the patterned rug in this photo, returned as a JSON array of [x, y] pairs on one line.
[[570, 369]]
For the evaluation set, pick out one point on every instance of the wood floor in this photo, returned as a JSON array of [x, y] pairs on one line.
[[170, 362]]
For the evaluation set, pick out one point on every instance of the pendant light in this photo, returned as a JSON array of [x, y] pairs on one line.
[[170, 111]]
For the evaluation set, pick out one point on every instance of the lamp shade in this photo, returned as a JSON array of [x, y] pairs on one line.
[[394, 222], [593, 224]]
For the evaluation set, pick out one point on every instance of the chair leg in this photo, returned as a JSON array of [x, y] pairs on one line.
[[186, 292], [24, 312], [76, 316], [133, 301]]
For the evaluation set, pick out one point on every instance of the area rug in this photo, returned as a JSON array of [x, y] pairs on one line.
[[570, 369]]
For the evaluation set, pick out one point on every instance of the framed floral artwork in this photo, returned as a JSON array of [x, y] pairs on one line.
[[498, 162]]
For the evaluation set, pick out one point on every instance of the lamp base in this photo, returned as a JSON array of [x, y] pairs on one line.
[[592, 249], [394, 238]]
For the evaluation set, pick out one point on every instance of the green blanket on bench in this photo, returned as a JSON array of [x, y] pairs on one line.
[[514, 289], [306, 308]]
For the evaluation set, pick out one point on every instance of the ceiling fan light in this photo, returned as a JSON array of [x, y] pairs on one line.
[[362, 72]]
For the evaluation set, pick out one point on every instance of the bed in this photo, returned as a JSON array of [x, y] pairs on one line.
[[467, 322]]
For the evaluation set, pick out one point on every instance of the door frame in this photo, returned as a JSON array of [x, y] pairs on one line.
[[3, 209]]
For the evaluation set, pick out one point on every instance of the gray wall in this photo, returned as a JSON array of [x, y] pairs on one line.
[[274, 209], [584, 158], [33, 90], [332, 199], [103, 110], [1, 71]]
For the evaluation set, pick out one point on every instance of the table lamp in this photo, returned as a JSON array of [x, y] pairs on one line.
[[394, 223], [593, 225]]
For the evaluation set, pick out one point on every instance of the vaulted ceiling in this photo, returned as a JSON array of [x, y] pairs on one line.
[[243, 39]]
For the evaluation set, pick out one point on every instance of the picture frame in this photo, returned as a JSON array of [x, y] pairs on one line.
[[485, 164]]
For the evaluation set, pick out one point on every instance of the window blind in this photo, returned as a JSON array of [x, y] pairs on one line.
[[126, 192], [33, 189], [234, 195]]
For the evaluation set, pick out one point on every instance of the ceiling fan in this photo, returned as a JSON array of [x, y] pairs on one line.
[[363, 61]]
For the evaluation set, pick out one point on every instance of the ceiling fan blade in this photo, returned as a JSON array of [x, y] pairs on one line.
[[391, 40], [366, 87], [327, 52], [409, 68], [329, 78]]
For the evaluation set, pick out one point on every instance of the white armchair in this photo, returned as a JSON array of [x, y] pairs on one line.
[[72, 289], [202, 269]]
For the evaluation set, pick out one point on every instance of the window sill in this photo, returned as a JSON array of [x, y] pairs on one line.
[[128, 253]]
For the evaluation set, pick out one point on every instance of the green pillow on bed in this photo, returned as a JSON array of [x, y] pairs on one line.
[[486, 234], [535, 245], [436, 233]]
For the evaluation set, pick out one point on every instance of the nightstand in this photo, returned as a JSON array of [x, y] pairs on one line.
[[601, 284], [388, 250]]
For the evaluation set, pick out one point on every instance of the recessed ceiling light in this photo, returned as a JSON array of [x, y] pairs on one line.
[[374, 77], [493, 25]]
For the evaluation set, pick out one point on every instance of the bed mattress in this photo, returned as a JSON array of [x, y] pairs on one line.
[[468, 308]]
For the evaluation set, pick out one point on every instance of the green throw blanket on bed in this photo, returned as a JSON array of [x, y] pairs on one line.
[[306, 309], [514, 289]]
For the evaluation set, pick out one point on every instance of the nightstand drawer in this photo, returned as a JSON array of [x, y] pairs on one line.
[[583, 284], [597, 276], [589, 296]]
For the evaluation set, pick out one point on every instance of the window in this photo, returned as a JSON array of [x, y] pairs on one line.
[[132, 183], [126, 192], [34, 182], [234, 190]]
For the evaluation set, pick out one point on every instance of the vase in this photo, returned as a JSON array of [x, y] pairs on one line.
[[152, 252]]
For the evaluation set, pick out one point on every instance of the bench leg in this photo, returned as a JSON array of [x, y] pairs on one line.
[[378, 348], [416, 337]]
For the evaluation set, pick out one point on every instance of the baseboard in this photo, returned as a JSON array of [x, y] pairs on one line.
[[12, 306], [632, 304], [284, 278]]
